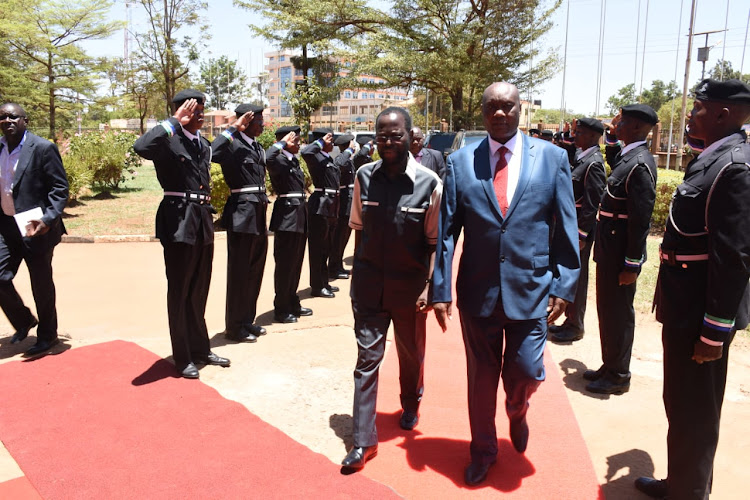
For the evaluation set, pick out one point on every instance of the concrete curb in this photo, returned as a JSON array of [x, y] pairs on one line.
[[125, 238]]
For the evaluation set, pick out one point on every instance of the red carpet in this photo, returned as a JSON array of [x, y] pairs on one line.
[[429, 461], [91, 424]]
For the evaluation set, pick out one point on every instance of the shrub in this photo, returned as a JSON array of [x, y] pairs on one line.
[[79, 175], [219, 189], [108, 156], [666, 183]]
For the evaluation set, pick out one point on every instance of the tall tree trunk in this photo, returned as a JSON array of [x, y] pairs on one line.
[[51, 90], [457, 98]]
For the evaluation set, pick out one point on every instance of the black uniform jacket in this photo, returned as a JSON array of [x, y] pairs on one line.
[[363, 156], [345, 162], [40, 181], [289, 212], [710, 216], [243, 166], [325, 177], [589, 181], [180, 168], [629, 199]]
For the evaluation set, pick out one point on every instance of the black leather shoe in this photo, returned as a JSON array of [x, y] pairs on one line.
[[348, 272], [256, 330], [358, 456], [566, 334], [554, 328], [332, 288], [42, 346], [285, 318], [476, 473], [408, 420], [302, 311], [655, 488], [519, 435], [190, 371], [592, 375], [22, 333], [606, 386], [323, 292], [242, 336], [339, 276], [213, 359]]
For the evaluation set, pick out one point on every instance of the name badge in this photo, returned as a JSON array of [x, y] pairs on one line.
[[371, 203], [413, 210]]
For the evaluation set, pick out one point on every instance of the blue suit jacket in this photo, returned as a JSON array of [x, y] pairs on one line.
[[521, 259]]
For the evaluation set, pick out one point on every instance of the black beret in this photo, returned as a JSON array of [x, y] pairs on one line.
[[282, 131], [343, 140], [642, 112], [364, 139], [244, 108], [534, 131], [730, 91], [547, 133], [184, 95], [318, 133], [591, 124]]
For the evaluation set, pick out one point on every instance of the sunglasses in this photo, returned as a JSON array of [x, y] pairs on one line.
[[11, 117]]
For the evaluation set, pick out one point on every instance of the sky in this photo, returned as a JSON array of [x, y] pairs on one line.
[[663, 31]]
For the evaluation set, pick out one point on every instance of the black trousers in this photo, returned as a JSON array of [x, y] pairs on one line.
[[322, 230], [246, 259], [371, 324], [12, 251], [188, 279], [289, 253], [693, 396], [576, 310], [340, 240], [614, 303], [521, 366]]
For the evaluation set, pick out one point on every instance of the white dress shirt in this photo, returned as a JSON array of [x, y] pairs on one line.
[[512, 157]]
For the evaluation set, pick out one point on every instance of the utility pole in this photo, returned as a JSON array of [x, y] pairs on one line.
[[685, 87]]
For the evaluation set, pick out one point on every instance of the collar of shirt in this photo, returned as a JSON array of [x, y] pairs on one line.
[[418, 156], [287, 154], [581, 154], [4, 142], [191, 136], [513, 145], [411, 168], [248, 139], [714, 146], [631, 147]]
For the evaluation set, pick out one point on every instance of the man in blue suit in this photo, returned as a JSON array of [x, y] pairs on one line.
[[513, 197]]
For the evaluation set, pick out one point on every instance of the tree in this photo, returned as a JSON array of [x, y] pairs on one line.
[[670, 112], [553, 116], [453, 47], [45, 37], [659, 93], [223, 81], [624, 96], [161, 47], [723, 71], [304, 100]]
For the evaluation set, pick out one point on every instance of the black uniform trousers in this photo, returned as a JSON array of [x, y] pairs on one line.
[[370, 328], [521, 367], [12, 251], [576, 310], [340, 240], [321, 233], [614, 305], [693, 396], [246, 259], [188, 280], [289, 253]]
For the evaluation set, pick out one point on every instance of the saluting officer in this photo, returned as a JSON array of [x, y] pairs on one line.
[[288, 223], [589, 179], [323, 208], [366, 149], [184, 225], [705, 265], [620, 248], [345, 162], [243, 162]]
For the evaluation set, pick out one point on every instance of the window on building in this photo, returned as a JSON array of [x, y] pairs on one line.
[[329, 110], [270, 59], [282, 58], [372, 96], [344, 110], [380, 96], [355, 95], [347, 95], [298, 72]]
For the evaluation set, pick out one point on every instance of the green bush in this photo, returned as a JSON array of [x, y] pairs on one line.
[[219, 189], [666, 183], [108, 156], [79, 175]]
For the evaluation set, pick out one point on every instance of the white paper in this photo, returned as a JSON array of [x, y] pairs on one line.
[[23, 219]]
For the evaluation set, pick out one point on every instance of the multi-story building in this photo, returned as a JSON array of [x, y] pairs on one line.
[[356, 109]]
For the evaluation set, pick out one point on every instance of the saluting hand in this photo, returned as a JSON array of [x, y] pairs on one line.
[[288, 139], [185, 112], [328, 139], [243, 121]]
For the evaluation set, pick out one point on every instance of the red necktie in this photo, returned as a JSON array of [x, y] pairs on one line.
[[500, 181]]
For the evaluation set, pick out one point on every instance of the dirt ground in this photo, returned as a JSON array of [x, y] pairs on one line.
[[299, 376]]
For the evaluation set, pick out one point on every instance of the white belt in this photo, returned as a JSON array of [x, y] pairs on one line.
[[292, 195], [669, 256], [579, 205], [250, 189], [613, 216], [327, 190], [188, 196], [346, 187]]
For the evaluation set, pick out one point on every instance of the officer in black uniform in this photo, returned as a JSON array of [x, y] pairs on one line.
[[323, 208], [243, 162], [702, 285], [184, 225], [620, 249], [288, 223], [366, 149], [589, 179], [395, 214], [345, 162]]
